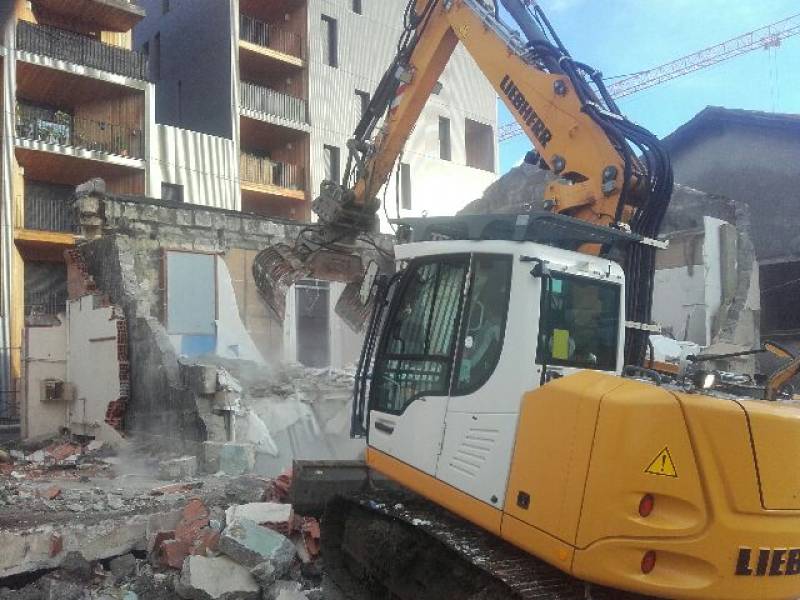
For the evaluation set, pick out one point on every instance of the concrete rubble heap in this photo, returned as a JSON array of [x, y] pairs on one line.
[[135, 538]]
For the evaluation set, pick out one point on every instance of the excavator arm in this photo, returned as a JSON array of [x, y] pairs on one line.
[[609, 171]]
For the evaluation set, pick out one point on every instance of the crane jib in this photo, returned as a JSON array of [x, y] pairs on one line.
[[525, 110]]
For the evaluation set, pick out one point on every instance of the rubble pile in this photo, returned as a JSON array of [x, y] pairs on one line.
[[94, 537], [262, 418]]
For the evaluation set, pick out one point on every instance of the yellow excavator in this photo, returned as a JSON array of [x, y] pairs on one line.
[[501, 387]]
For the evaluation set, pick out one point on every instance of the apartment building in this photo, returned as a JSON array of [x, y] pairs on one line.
[[76, 105], [287, 80], [238, 104]]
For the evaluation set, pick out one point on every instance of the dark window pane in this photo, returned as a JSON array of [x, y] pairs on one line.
[[485, 324], [579, 326], [417, 348], [330, 42], [331, 163], [479, 141], [357, 8], [171, 192], [445, 149], [405, 186]]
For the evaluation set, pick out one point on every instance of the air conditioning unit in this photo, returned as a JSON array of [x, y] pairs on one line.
[[56, 390]]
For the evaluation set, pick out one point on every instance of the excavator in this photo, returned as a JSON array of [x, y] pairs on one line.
[[517, 445]]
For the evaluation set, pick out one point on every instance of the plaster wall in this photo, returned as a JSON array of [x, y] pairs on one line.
[[45, 358], [92, 366]]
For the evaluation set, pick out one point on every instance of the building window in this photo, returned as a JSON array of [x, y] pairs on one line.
[[445, 149], [479, 141], [780, 289], [330, 42], [165, 6], [171, 192], [357, 7], [405, 186], [362, 102], [313, 322], [331, 162], [155, 58]]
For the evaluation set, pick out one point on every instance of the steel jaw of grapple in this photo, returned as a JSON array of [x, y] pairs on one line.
[[329, 252], [278, 267]]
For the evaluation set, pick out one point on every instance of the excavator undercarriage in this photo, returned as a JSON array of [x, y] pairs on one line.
[[397, 545]]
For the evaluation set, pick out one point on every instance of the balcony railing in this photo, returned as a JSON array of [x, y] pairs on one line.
[[264, 171], [48, 212], [270, 35], [265, 100], [60, 128], [72, 47]]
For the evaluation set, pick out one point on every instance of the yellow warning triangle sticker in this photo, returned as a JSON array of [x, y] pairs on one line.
[[663, 465]]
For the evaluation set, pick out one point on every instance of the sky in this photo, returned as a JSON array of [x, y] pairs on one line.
[[625, 36]]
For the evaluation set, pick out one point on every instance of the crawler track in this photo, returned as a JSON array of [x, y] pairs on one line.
[[401, 547]]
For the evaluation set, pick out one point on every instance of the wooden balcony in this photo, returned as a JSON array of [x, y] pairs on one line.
[[272, 41], [105, 15], [60, 44], [272, 178]]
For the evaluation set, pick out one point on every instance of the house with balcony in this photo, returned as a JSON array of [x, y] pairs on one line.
[[76, 100]]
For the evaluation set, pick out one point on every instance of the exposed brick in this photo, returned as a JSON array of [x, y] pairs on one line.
[[173, 553], [56, 544]]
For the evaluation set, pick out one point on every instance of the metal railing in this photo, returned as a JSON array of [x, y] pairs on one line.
[[49, 213], [270, 35], [262, 99], [79, 49], [61, 128], [44, 303], [264, 171]]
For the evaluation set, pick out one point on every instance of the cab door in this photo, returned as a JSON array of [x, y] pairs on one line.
[[413, 365]]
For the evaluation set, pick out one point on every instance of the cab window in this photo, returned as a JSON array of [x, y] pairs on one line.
[[579, 323], [485, 321], [415, 356]]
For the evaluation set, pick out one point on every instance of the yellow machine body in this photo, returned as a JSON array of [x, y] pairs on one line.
[[725, 518]]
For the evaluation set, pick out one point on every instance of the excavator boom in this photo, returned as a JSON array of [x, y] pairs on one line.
[[610, 171]]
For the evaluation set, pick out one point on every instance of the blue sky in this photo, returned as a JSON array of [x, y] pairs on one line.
[[625, 36]]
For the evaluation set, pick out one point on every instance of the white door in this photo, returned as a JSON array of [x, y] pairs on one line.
[[414, 361]]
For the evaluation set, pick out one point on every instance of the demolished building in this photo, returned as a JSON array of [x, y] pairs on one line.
[[751, 156], [165, 338]]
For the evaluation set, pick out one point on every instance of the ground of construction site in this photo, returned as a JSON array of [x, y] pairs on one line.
[[399, 300]]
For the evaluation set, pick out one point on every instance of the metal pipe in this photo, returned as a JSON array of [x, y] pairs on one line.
[[531, 29]]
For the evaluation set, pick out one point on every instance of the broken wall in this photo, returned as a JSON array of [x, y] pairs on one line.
[[128, 240]]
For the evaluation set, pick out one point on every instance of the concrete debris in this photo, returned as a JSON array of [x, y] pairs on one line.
[[285, 590], [178, 468], [271, 514], [213, 537], [250, 544], [123, 566], [217, 578], [237, 459], [176, 488], [5, 457]]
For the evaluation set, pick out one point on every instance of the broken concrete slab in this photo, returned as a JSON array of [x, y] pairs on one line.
[[237, 459], [178, 468], [250, 544], [263, 513], [123, 566], [285, 590], [216, 578], [210, 453]]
